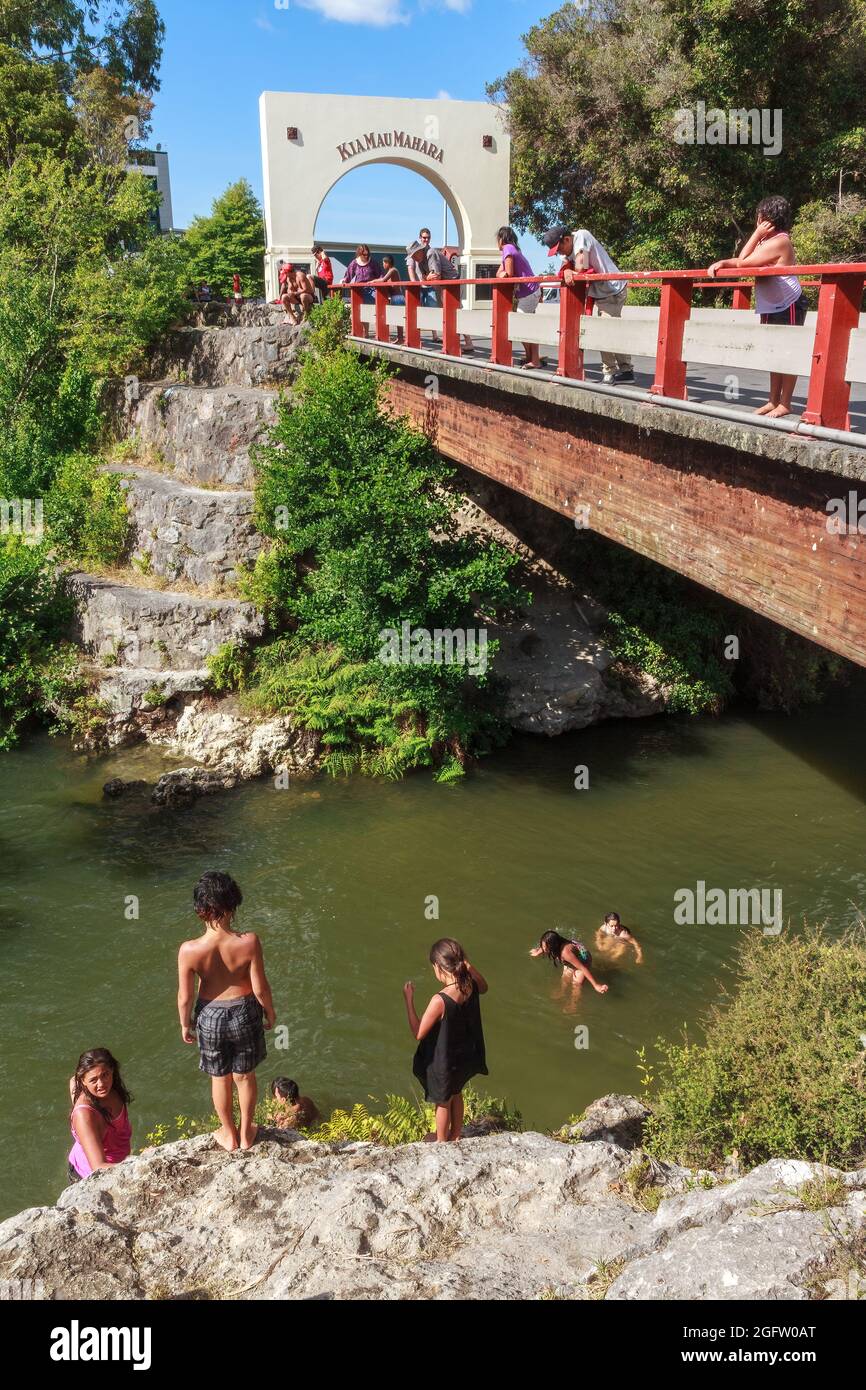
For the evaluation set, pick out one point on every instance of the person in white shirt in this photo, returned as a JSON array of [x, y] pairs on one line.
[[581, 252]]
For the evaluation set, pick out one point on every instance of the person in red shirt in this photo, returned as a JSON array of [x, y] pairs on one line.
[[323, 275]]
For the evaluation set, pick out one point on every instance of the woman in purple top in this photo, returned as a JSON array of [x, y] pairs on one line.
[[526, 297], [361, 271]]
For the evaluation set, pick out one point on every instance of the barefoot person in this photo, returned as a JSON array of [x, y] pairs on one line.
[[234, 1005], [779, 299], [573, 956], [450, 1038], [100, 1119]]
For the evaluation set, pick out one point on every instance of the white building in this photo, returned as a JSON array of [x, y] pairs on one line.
[[153, 164], [310, 140]]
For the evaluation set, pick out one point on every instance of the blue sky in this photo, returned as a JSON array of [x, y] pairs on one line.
[[221, 54]]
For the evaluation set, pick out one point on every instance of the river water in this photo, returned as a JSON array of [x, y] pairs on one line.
[[337, 878]]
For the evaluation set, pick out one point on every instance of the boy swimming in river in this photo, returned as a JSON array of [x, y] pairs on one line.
[[573, 956], [234, 1005]]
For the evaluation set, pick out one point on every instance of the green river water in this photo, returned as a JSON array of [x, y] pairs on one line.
[[336, 874]]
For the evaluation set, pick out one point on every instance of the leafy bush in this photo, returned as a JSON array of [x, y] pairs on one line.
[[86, 512], [782, 1073], [364, 539], [36, 665]]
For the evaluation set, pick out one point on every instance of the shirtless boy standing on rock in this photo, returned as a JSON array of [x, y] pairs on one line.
[[233, 1009]]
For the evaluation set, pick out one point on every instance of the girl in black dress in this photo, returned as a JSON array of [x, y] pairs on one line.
[[450, 1039]]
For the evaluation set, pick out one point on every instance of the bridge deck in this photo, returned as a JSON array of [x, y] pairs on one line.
[[733, 504]]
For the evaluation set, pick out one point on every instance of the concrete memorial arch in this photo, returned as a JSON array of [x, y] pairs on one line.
[[309, 141]]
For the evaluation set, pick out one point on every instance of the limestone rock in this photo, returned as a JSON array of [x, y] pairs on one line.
[[260, 355], [119, 786], [614, 1120], [219, 734], [511, 1216]]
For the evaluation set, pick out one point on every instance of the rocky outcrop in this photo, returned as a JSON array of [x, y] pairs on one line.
[[189, 533], [561, 676], [511, 1216]]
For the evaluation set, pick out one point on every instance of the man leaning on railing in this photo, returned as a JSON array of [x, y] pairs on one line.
[[581, 252]]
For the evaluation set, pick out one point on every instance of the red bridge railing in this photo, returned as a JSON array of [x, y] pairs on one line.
[[839, 300]]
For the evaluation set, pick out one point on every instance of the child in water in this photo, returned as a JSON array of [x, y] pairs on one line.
[[295, 1111], [102, 1132], [613, 938], [571, 955], [450, 1038]]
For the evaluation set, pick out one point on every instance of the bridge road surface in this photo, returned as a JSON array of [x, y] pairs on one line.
[[705, 384]]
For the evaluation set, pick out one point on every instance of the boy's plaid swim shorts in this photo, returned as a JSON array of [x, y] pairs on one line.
[[231, 1035]]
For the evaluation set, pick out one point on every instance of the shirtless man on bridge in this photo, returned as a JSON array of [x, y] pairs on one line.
[[234, 1005]]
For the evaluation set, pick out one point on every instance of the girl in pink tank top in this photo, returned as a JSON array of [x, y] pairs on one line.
[[100, 1117]]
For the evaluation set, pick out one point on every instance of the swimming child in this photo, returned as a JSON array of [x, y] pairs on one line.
[[450, 1038], [295, 1111], [234, 1005], [102, 1132], [613, 938], [571, 955]]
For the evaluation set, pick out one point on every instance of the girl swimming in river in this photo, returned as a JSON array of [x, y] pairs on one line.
[[100, 1118], [571, 955], [450, 1038]]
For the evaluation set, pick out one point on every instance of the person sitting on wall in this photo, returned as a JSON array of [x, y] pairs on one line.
[[298, 294], [581, 253], [435, 265]]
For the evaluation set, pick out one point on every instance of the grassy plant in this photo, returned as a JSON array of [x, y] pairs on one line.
[[782, 1072]]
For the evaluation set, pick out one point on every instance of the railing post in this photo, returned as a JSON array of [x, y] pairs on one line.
[[676, 306], [742, 297], [572, 307], [382, 298], [838, 312], [500, 347], [355, 302], [450, 304], [413, 304]]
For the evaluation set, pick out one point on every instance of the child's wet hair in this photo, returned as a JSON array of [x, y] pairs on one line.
[[285, 1089], [449, 955], [216, 894], [553, 945], [613, 919], [776, 210]]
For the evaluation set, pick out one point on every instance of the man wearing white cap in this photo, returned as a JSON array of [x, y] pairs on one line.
[[581, 252]]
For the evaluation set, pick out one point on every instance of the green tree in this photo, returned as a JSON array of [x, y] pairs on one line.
[[592, 112], [123, 36], [34, 660], [365, 538], [231, 241]]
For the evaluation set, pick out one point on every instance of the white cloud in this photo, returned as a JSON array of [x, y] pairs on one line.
[[262, 23], [442, 95], [460, 6], [381, 14]]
